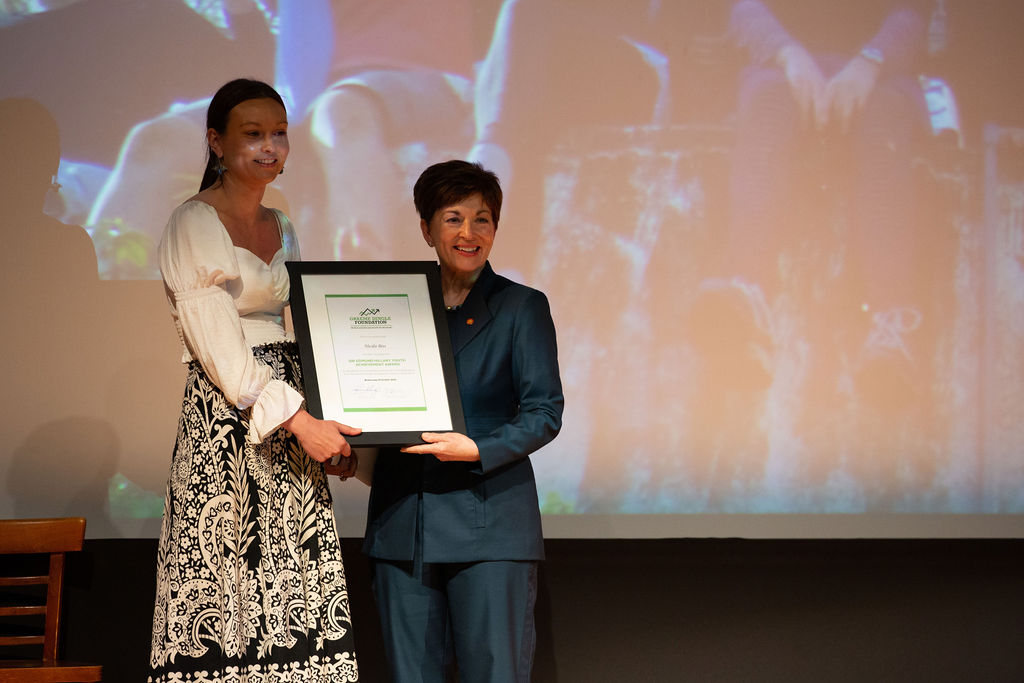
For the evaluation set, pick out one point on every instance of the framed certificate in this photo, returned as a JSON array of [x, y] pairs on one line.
[[375, 350]]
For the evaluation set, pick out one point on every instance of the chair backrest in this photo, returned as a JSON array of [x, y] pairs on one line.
[[53, 537]]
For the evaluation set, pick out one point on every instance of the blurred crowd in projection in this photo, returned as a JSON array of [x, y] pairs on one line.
[[783, 240]]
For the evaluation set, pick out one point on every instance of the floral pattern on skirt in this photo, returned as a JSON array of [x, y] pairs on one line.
[[250, 582]]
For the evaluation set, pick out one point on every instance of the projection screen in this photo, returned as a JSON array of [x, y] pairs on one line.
[[783, 242]]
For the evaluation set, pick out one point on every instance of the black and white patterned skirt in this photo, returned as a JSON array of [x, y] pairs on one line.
[[250, 582]]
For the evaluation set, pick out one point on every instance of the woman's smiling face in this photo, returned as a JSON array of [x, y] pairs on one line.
[[462, 234], [254, 144]]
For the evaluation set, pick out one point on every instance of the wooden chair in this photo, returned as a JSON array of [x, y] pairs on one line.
[[53, 537]]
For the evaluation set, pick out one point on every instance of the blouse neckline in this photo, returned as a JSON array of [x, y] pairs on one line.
[[280, 234]]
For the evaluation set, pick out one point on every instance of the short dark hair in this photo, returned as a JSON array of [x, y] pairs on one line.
[[229, 96], [449, 182]]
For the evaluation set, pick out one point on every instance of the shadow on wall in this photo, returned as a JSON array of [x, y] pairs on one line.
[[88, 363], [62, 470]]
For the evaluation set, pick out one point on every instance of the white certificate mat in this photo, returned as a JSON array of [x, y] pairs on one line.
[[375, 351]]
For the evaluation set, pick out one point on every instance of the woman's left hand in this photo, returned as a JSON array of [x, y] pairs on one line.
[[447, 447], [847, 91], [344, 468]]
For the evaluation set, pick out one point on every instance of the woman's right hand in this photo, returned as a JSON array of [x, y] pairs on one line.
[[806, 81], [321, 439]]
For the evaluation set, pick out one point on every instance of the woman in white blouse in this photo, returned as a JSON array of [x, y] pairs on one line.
[[250, 582]]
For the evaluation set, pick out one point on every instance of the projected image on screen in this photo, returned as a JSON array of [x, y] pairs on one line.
[[782, 240]]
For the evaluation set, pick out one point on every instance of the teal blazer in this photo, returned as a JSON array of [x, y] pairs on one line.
[[503, 339]]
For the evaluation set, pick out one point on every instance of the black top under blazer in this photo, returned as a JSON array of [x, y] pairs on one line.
[[503, 339]]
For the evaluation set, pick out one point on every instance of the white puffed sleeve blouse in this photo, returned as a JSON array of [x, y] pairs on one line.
[[225, 300]]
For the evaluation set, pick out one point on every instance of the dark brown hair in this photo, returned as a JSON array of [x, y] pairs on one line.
[[449, 182]]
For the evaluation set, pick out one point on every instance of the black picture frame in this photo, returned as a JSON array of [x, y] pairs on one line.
[[323, 296]]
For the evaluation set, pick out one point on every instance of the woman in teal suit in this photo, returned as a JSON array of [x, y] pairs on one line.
[[453, 529]]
